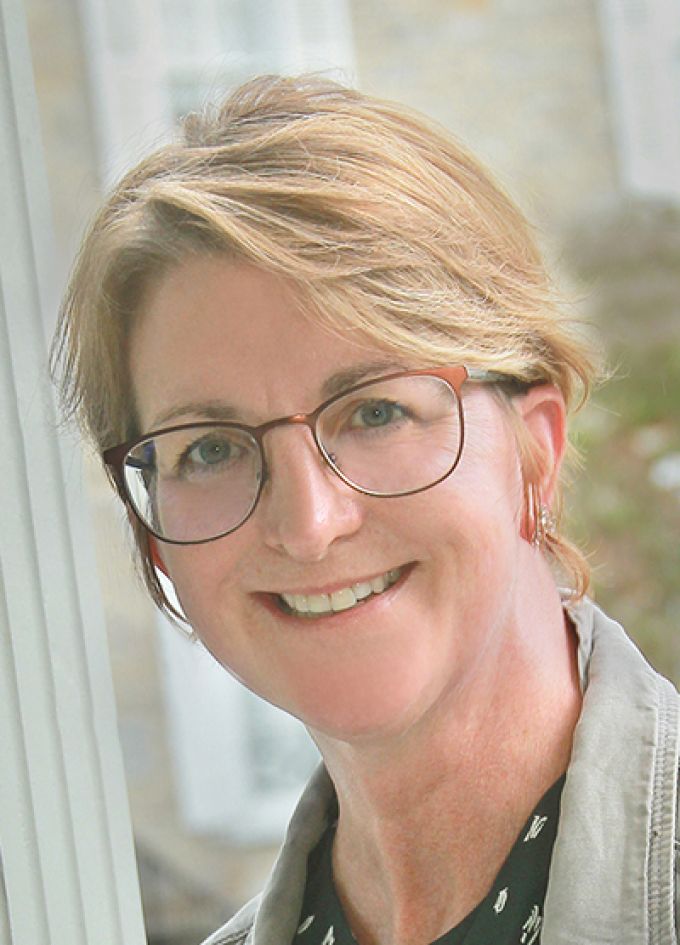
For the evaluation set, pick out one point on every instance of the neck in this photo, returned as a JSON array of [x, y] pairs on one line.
[[485, 754]]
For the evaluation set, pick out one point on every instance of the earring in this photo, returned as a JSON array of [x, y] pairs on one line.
[[540, 520]]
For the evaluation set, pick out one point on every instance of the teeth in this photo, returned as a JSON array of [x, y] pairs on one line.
[[318, 603], [364, 589], [344, 599], [300, 603]]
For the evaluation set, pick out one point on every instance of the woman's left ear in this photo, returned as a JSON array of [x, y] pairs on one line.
[[543, 411]]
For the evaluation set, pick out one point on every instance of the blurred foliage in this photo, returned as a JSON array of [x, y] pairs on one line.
[[624, 505]]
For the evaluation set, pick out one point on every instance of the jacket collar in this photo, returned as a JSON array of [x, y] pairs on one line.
[[600, 877]]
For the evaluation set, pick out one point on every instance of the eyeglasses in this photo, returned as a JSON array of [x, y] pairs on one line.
[[392, 436]]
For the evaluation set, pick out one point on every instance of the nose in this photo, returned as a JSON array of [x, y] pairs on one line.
[[306, 508]]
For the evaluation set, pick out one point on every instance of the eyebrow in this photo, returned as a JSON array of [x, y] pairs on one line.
[[343, 380], [226, 413], [206, 409]]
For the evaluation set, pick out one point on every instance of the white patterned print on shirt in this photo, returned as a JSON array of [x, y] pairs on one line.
[[500, 902], [537, 824], [305, 925], [531, 927], [329, 938]]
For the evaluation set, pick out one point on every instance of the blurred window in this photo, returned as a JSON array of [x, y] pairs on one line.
[[642, 49], [239, 763], [151, 61]]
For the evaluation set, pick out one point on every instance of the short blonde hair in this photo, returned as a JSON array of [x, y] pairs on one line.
[[381, 221]]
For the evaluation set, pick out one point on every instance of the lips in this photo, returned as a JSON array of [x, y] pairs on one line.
[[345, 598]]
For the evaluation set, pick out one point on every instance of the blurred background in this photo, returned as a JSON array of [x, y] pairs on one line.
[[576, 108]]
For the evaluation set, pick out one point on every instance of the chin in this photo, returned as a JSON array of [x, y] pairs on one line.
[[372, 709]]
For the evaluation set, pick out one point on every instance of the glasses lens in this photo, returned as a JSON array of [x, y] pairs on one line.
[[395, 436], [194, 483]]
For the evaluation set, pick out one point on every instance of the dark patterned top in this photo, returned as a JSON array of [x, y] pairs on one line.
[[511, 913]]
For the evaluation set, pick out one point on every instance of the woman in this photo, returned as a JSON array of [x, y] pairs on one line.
[[319, 353]]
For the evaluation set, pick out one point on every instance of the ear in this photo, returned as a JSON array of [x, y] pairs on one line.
[[542, 411], [156, 556]]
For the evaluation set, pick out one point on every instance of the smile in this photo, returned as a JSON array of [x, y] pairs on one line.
[[317, 605]]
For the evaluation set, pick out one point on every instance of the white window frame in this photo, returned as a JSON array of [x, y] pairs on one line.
[[67, 858]]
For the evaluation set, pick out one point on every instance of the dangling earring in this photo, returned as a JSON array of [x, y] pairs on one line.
[[541, 522]]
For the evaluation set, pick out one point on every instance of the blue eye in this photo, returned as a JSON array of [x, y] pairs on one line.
[[377, 413], [210, 451]]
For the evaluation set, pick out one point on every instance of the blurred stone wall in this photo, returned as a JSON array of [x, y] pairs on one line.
[[520, 82]]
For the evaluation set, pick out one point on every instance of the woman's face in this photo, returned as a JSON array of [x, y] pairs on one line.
[[215, 334]]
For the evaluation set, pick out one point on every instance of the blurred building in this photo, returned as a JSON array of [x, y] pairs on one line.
[[575, 106]]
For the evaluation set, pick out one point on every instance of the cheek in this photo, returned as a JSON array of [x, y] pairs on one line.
[[468, 528], [203, 574], [473, 510], [489, 479]]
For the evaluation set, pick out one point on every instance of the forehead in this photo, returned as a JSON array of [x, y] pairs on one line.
[[213, 330]]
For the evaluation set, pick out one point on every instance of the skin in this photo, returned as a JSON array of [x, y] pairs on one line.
[[447, 702]]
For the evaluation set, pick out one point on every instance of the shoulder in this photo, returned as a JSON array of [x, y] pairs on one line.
[[238, 928]]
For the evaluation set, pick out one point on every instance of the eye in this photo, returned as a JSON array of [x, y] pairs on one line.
[[377, 413], [211, 451]]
